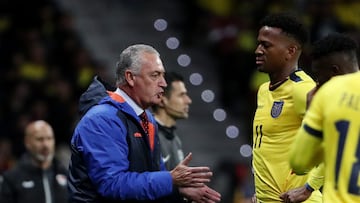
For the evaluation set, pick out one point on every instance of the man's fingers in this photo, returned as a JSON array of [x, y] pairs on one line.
[[201, 169], [187, 159], [196, 184], [213, 195], [200, 180]]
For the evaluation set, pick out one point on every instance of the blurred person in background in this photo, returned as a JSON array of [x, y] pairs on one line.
[[174, 105], [38, 176], [281, 102], [7, 159]]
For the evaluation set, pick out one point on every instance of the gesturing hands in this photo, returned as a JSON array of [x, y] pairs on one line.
[[186, 176], [201, 194], [191, 182], [296, 195]]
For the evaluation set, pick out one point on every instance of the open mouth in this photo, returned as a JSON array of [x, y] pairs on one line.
[[159, 95]]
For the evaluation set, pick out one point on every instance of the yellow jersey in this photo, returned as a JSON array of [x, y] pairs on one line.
[[331, 133], [277, 118]]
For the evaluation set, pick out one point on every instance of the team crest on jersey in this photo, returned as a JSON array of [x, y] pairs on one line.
[[277, 108]]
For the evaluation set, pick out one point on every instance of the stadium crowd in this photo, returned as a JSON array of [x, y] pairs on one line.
[[44, 66]]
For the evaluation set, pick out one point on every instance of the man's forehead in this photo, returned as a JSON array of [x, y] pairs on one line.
[[270, 30], [266, 33]]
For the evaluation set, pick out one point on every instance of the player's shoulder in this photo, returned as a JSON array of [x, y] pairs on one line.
[[264, 87], [353, 78], [300, 76], [342, 82], [301, 82], [337, 84]]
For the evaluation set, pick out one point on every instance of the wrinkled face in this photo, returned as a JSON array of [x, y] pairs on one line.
[[272, 49], [41, 143], [149, 83], [178, 104]]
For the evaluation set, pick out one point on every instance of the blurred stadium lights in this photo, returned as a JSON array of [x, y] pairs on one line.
[[160, 24], [172, 43], [196, 79], [184, 60], [232, 131], [245, 150], [208, 96], [219, 115]]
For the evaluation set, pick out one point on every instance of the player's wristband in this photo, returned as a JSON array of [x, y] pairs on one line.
[[309, 188]]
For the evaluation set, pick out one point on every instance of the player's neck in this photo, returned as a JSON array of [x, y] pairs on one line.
[[273, 86], [279, 76], [276, 79]]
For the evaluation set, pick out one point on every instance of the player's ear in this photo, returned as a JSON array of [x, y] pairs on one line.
[[336, 70], [293, 49]]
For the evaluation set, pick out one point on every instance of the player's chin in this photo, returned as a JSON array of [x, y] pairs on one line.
[[259, 67], [262, 69], [185, 115]]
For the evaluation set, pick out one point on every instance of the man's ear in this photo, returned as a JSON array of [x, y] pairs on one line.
[[129, 77]]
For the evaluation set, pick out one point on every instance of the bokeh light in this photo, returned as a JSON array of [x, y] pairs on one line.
[[160, 24], [172, 43], [196, 79], [245, 150], [208, 96], [219, 115], [184, 60], [232, 131]]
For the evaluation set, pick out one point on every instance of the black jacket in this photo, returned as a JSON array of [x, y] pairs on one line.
[[25, 183], [171, 147]]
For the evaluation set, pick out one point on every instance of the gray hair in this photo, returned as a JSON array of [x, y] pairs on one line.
[[131, 59]]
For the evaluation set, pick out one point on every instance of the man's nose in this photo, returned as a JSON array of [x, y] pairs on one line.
[[163, 82], [258, 50]]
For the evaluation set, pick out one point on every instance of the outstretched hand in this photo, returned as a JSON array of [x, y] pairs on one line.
[[186, 176], [201, 194], [296, 195]]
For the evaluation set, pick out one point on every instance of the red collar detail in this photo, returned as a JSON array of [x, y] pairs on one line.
[[116, 97]]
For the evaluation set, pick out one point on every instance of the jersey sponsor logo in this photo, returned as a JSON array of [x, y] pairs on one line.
[[277, 108]]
